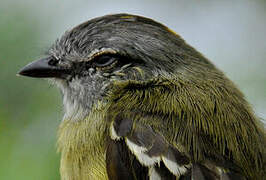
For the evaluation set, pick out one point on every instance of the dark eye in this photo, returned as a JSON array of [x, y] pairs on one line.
[[52, 61], [104, 60]]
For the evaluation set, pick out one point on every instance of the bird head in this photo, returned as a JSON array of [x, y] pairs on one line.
[[86, 60]]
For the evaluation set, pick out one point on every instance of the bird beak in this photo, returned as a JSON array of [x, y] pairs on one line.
[[43, 68]]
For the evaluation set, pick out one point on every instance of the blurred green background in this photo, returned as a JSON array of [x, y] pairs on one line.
[[230, 34]]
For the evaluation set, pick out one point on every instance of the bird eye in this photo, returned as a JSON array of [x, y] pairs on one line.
[[104, 60], [52, 61]]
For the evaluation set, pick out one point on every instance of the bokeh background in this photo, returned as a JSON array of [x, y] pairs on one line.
[[232, 34]]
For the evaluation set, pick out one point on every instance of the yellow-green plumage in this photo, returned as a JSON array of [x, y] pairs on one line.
[[205, 117], [83, 145], [188, 110]]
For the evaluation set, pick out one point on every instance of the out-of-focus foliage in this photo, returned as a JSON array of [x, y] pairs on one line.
[[230, 33], [29, 109]]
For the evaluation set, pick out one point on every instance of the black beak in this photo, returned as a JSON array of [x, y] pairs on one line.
[[44, 68]]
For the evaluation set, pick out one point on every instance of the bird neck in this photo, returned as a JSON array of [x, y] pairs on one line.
[[82, 145]]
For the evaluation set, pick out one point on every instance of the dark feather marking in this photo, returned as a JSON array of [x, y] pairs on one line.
[[122, 126], [122, 164], [163, 172], [159, 146], [200, 172], [143, 136], [174, 155], [197, 173], [232, 176], [115, 166]]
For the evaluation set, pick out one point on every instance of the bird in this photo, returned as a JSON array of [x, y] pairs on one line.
[[141, 103]]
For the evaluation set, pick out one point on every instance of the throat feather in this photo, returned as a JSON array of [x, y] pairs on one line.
[[82, 145]]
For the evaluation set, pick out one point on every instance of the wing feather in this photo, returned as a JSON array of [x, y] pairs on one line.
[[169, 124]]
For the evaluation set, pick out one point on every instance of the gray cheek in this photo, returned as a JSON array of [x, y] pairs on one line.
[[81, 93], [86, 90]]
